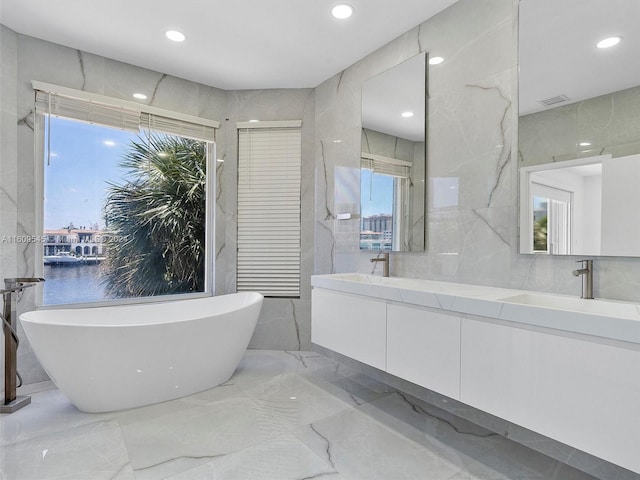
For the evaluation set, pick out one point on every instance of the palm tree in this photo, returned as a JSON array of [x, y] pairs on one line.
[[156, 219]]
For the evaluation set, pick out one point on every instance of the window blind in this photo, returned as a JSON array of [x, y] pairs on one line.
[[385, 165], [269, 163], [89, 111], [174, 126], [98, 109]]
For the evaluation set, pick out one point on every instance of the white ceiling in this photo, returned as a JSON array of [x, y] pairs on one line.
[[386, 96], [233, 44], [558, 53]]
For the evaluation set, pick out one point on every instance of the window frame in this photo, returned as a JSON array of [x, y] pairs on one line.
[[39, 178]]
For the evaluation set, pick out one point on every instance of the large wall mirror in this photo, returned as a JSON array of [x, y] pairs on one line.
[[393, 163], [579, 127]]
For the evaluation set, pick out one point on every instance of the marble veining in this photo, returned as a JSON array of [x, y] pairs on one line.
[[84, 75], [329, 215], [156, 88], [505, 151], [283, 415], [8, 196], [493, 229], [27, 120], [295, 322]]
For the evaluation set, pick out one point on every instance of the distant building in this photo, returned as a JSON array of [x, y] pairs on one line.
[[376, 232], [78, 241], [377, 223]]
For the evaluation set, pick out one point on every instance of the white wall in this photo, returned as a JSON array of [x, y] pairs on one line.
[[620, 202], [592, 224]]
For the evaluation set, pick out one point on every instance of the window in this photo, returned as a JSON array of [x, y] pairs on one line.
[[269, 162], [551, 219], [126, 199], [384, 201]]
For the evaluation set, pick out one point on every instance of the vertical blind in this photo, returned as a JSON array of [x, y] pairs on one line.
[[269, 163]]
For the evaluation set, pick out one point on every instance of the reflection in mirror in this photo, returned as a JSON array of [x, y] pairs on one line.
[[578, 101], [393, 164], [575, 207]]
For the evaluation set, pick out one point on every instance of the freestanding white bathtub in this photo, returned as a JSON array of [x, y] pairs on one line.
[[114, 358]]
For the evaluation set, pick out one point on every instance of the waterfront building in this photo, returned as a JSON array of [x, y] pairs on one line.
[[77, 241]]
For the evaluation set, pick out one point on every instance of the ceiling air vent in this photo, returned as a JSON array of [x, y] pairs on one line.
[[554, 100]]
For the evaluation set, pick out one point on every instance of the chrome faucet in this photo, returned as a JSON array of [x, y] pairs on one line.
[[8, 317], [385, 264], [587, 278]]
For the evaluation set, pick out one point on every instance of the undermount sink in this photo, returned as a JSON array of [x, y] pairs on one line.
[[609, 308]]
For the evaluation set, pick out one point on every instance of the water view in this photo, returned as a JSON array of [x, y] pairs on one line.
[[72, 284]]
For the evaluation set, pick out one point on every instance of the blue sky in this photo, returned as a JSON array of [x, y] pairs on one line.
[[376, 196], [83, 156]]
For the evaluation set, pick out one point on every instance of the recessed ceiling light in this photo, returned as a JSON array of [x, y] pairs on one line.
[[585, 144], [608, 42], [435, 60], [109, 143], [140, 96], [407, 114], [175, 36], [342, 11]]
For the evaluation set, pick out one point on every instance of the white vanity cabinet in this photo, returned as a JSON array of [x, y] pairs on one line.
[[564, 367], [576, 389], [355, 326], [423, 347]]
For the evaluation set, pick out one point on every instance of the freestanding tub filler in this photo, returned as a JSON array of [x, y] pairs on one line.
[[113, 358]]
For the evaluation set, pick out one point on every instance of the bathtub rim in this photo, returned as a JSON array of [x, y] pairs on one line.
[[254, 298], [128, 301]]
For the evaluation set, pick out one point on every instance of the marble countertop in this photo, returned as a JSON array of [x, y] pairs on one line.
[[603, 318]]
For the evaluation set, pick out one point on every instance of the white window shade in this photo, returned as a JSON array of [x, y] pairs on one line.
[[385, 165], [173, 126], [269, 162], [126, 115], [89, 111]]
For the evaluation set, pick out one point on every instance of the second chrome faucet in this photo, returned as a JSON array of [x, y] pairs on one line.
[[587, 278]]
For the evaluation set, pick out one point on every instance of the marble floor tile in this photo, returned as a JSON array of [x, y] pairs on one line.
[[50, 411], [282, 415], [510, 460], [94, 451], [293, 400], [282, 458], [360, 447], [443, 434], [260, 366], [178, 438]]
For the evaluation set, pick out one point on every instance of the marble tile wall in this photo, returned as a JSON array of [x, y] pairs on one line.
[[472, 134], [284, 324], [8, 152], [609, 122]]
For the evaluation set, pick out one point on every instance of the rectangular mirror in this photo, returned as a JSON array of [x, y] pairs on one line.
[[393, 159], [576, 207], [579, 127]]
